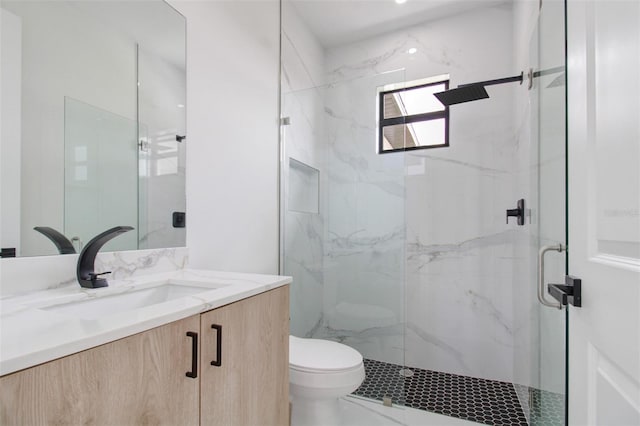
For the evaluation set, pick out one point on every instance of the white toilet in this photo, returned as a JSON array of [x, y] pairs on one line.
[[320, 372]]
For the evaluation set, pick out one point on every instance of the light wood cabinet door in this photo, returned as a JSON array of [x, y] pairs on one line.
[[251, 384], [139, 380]]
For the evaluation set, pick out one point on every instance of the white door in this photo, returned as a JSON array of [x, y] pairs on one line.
[[604, 210]]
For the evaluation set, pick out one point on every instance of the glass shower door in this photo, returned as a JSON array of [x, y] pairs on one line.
[[547, 396], [343, 235]]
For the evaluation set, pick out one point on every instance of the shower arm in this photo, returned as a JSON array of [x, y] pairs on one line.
[[548, 71], [519, 78]]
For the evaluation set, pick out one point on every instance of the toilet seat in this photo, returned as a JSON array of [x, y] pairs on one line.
[[322, 356]]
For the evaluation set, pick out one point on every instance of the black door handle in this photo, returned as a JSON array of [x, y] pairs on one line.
[[194, 354], [218, 361], [568, 294]]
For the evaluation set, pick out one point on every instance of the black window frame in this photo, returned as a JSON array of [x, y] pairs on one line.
[[428, 116]]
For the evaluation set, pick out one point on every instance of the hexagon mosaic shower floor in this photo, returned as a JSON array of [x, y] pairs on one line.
[[480, 400]]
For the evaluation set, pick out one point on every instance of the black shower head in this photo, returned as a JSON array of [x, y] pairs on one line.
[[471, 92]]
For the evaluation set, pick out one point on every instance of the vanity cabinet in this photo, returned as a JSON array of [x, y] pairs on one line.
[[142, 379], [136, 380], [245, 362]]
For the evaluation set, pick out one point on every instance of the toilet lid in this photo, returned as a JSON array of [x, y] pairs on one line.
[[321, 355]]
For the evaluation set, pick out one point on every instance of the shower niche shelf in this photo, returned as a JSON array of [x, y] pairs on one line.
[[304, 187]]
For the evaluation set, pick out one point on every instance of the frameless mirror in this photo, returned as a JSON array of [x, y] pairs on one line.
[[93, 125]]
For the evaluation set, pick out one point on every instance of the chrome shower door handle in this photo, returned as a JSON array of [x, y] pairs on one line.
[[541, 293]]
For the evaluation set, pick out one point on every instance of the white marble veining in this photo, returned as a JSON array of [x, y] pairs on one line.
[[427, 232], [28, 274], [31, 334], [365, 215]]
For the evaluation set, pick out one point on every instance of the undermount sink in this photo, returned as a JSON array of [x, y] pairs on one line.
[[108, 304]]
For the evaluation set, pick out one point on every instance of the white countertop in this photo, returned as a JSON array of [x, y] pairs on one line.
[[30, 336]]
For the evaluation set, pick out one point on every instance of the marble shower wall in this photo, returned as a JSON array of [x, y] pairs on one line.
[[365, 222], [409, 259], [347, 259], [459, 251]]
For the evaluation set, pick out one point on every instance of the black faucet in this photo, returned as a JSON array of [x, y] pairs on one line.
[[61, 242], [85, 273]]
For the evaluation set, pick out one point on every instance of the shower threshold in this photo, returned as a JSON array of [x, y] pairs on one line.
[[470, 398]]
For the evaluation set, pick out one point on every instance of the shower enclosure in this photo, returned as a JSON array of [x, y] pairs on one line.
[[407, 253]]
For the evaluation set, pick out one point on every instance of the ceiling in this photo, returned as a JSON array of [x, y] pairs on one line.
[[336, 22]]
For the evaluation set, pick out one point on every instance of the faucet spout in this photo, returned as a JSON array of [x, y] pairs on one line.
[[86, 262]]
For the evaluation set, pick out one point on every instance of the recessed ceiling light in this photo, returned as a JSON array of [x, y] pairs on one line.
[[412, 50], [180, 106], [401, 1]]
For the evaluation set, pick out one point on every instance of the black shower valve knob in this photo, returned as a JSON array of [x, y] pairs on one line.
[[518, 212]]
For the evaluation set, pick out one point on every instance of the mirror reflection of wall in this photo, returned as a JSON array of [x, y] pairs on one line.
[[93, 113], [162, 150]]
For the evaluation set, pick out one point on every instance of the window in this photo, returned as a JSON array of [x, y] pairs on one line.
[[410, 117]]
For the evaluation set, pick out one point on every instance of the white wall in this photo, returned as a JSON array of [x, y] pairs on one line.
[[232, 123]]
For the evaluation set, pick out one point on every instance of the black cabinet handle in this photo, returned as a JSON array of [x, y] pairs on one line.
[[194, 354], [218, 361]]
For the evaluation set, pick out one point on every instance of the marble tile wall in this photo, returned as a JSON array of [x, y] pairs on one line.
[[355, 243], [459, 251], [365, 219], [417, 264]]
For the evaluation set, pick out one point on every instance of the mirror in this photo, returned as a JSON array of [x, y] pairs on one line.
[[93, 125]]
